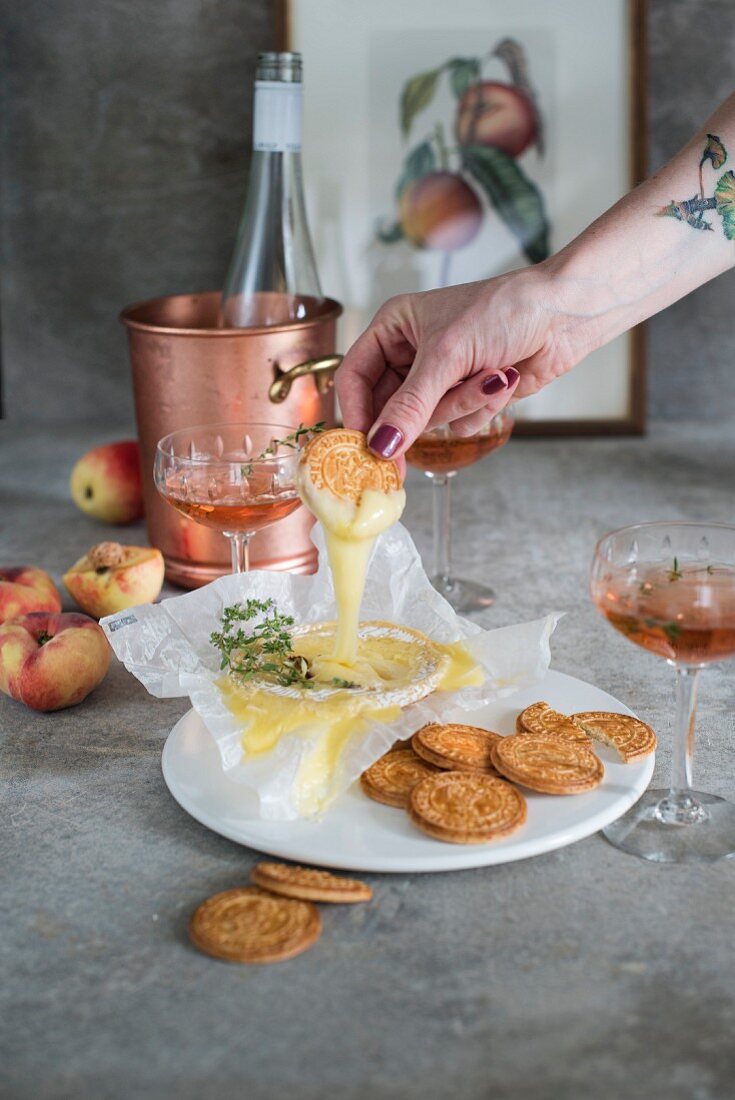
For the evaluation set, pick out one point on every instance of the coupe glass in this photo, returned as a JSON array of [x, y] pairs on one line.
[[440, 453], [670, 588], [235, 478]]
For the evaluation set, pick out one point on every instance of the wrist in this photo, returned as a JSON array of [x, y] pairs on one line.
[[588, 296]]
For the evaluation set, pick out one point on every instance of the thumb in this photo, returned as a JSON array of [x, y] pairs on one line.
[[405, 415]]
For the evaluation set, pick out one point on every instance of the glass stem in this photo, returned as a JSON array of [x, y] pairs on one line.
[[240, 544], [686, 715], [680, 807], [442, 527]]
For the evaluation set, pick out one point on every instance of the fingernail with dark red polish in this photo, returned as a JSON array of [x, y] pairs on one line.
[[386, 441], [512, 375], [494, 384]]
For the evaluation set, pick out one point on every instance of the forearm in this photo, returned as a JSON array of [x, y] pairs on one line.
[[643, 253]]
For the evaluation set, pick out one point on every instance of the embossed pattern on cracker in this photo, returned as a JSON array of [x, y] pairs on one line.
[[540, 718], [630, 737], [309, 883], [466, 807], [251, 925], [547, 764], [339, 460], [391, 779], [456, 747]]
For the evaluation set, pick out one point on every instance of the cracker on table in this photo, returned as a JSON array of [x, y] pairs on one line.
[[540, 718], [631, 738], [456, 747], [466, 807], [309, 883], [391, 778], [251, 925], [547, 764]]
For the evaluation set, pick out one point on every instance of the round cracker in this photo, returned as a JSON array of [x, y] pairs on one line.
[[540, 719], [551, 765], [309, 883], [466, 807], [456, 747], [630, 737], [339, 460], [392, 778], [250, 925]]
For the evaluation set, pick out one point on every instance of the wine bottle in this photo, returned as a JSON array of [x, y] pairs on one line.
[[272, 268]]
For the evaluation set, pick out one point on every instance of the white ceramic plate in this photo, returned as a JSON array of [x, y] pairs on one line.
[[361, 835]]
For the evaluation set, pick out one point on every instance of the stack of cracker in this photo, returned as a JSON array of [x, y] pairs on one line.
[[460, 783], [273, 920]]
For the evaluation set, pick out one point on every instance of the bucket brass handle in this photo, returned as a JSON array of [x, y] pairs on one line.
[[321, 369]]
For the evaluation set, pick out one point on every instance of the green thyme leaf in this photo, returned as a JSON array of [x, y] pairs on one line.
[[291, 441], [675, 574], [265, 648]]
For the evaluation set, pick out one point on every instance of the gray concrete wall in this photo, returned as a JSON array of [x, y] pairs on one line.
[[124, 154], [691, 70], [125, 138]]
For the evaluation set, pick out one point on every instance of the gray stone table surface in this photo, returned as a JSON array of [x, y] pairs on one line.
[[576, 974]]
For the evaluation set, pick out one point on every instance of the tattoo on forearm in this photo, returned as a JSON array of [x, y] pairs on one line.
[[692, 210]]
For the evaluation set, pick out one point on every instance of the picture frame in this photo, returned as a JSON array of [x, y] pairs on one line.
[[380, 76]]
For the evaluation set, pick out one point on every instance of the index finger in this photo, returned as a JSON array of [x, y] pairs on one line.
[[359, 372]]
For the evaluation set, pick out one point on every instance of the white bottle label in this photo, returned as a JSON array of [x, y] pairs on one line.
[[277, 117]]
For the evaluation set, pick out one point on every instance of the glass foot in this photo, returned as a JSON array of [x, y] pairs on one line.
[[464, 596], [691, 828]]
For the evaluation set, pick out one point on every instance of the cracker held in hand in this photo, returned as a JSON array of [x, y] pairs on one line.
[[547, 764], [392, 778], [340, 461], [631, 738], [309, 884], [456, 747], [540, 718], [250, 925], [466, 807]]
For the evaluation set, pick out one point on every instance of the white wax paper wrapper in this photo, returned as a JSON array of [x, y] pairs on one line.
[[167, 647]]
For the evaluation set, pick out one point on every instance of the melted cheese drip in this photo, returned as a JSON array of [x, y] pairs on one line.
[[350, 531], [327, 724], [378, 664]]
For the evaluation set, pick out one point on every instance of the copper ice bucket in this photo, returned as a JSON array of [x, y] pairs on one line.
[[187, 371]]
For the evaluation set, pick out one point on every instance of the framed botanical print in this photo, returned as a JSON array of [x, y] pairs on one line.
[[448, 143]]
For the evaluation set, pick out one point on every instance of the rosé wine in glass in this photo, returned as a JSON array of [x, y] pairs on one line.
[[440, 453], [670, 589], [235, 478]]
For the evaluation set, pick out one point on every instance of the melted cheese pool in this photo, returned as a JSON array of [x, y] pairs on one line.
[[394, 666]]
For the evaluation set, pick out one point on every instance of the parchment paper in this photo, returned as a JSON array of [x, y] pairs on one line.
[[166, 646]]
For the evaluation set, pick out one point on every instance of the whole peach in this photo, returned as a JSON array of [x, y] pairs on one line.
[[496, 114], [24, 588], [106, 483], [440, 211], [52, 661], [111, 577]]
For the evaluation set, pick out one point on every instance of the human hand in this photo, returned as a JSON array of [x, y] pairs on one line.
[[456, 355]]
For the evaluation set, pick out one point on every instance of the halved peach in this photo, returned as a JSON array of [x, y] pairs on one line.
[[111, 577]]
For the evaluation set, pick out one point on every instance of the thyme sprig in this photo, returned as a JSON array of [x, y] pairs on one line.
[[264, 648], [292, 440], [675, 574]]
